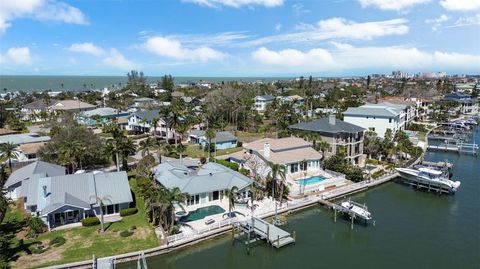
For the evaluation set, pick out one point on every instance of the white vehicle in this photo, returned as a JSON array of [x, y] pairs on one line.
[[358, 209], [429, 178]]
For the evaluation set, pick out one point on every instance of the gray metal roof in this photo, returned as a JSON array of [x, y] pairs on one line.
[[38, 167], [149, 115], [265, 97], [220, 137], [103, 112], [210, 177], [23, 138], [114, 186], [374, 111], [323, 126]]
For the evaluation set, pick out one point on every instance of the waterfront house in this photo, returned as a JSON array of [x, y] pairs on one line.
[[222, 140], [337, 134], [295, 155], [64, 199], [379, 117], [205, 185], [262, 101], [467, 104], [17, 181]]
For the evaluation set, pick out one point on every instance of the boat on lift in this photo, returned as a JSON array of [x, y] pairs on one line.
[[355, 208], [430, 179]]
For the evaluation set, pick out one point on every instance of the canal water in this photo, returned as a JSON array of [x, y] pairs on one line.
[[414, 229]]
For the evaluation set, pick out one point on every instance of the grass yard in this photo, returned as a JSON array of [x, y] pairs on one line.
[[83, 242], [194, 151]]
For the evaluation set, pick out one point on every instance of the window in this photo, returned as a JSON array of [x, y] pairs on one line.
[[215, 195], [389, 120], [294, 168], [303, 166], [193, 200]]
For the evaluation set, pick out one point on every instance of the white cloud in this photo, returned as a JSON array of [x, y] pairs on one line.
[[117, 60], [43, 10], [17, 56], [86, 47], [218, 39], [278, 26], [299, 9], [392, 4], [237, 3], [172, 48], [467, 21], [348, 57], [339, 28], [460, 5], [437, 22]]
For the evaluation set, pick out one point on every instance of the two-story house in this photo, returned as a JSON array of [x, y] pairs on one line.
[[337, 134], [262, 101]]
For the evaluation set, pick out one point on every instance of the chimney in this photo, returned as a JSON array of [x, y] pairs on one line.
[[332, 119], [266, 150], [44, 191]]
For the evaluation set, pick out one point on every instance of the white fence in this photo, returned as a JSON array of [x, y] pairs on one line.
[[198, 233]]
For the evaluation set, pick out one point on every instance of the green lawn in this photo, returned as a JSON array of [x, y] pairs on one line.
[[194, 151], [83, 242]]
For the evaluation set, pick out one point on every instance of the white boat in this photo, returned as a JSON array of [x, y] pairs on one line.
[[429, 178], [357, 209]]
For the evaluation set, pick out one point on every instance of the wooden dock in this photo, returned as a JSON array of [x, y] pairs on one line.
[[259, 229], [438, 164]]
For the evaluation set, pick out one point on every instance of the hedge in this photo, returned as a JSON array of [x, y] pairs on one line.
[[128, 211], [90, 221], [233, 166]]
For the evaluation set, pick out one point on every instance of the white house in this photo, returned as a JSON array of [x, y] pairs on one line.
[[379, 117], [262, 101]]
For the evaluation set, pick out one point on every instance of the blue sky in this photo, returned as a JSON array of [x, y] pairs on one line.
[[239, 37]]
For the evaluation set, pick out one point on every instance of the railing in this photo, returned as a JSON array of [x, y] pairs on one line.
[[335, 174], [198, 233]]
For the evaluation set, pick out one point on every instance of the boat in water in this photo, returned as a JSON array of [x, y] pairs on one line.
[[430, 179], [357, 209]]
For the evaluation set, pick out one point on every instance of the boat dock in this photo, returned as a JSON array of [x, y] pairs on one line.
[[350, 212], [459, 148], [438, 164], [258, 229]]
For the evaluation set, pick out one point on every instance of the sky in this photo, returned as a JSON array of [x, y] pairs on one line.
[[239, 37]]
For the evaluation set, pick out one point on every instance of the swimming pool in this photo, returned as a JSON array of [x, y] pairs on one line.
[[310, 180], [201, 213]]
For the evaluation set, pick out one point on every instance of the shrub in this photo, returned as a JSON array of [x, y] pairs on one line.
[[244, 171], [125, 233], [128, 211], [36, 225], [37, 249], [90, 221], [233, 166], [57, 241]]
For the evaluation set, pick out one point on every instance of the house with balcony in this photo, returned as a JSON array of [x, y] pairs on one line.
[[379, 117], [467, 105], [295, 155], [338, 134], [205, 185], [262, 101]]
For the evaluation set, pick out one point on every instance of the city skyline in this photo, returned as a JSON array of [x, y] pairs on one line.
[[239, 37]]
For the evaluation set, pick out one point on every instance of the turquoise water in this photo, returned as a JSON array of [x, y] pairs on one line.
[[414, 229], [202, 212], [310, 180]]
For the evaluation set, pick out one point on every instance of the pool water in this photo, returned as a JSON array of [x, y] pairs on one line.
[[201, 213], [310, 180]]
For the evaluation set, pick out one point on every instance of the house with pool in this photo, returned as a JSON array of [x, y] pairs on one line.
[[299, 160], [205, 186]]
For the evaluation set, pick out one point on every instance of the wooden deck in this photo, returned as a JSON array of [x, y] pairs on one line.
[[269, 232]]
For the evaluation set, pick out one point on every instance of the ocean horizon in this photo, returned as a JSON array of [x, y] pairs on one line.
[[29, 83]]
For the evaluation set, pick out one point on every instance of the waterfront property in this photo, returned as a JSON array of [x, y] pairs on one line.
[[222, 140], [262, 101], [17, 183], [379, 117], [337, 134], [295, 155], [467, 104], [204, 184]]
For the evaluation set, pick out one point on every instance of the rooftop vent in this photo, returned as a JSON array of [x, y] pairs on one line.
[[332, 119]]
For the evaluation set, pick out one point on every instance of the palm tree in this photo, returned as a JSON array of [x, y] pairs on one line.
[[155, 123], [8, 151], [101, 202], [128, 148], [172, 196], [231, 195], [4, 202], [276, 172], [209, 135], [69, 153], [145, 145], [144, 122], [114, 147], [162, 148]]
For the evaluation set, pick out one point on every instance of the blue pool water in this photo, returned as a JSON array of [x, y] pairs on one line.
[[310, 180], [201, 213]]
